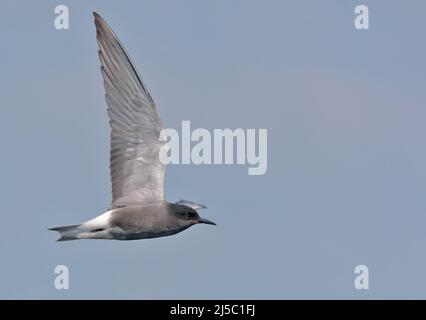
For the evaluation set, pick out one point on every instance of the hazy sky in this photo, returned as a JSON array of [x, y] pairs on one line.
[[345, 113]]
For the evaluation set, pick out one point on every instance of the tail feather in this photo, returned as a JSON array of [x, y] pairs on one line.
[[67, 232]]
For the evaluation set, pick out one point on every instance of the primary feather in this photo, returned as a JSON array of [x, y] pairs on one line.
[[137, 175]]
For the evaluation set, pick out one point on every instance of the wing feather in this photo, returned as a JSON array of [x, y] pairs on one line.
[[137, 175]]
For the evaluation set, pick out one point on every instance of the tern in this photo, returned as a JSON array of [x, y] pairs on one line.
[[139, 209]]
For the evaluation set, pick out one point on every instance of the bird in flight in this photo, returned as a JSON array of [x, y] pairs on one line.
[[138, 210]]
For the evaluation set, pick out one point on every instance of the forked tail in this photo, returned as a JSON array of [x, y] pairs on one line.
[[67, 232]]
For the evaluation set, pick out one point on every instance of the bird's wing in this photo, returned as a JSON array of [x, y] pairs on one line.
[[193, 205], [137, 175]]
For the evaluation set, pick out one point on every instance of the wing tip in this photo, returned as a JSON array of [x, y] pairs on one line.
[[100, 23], [96, 15]]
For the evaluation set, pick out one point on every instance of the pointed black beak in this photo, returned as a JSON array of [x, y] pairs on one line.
[[202, 220]]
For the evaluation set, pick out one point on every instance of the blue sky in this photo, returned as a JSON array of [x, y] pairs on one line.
[[345, 116]]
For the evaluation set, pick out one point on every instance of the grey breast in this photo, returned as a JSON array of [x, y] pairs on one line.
[[146, 221], [139, 217]]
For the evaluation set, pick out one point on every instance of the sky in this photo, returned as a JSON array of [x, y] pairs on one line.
[[344, 109]]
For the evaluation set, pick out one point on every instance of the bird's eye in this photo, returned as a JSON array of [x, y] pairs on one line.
[[187, 214]]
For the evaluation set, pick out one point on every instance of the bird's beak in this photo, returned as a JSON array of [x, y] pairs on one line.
[[202, 220]]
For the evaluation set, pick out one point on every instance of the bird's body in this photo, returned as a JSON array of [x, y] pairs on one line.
[[130, 223], [139, 209]]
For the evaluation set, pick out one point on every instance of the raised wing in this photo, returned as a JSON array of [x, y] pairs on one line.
[[137, 175], [193, 205]]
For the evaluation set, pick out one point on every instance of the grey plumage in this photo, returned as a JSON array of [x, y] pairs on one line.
[[137, 175], [138, 208]]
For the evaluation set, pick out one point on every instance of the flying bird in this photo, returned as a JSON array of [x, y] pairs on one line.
[[139, 209]]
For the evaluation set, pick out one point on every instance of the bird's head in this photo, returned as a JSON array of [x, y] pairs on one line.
[[187, 213]]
